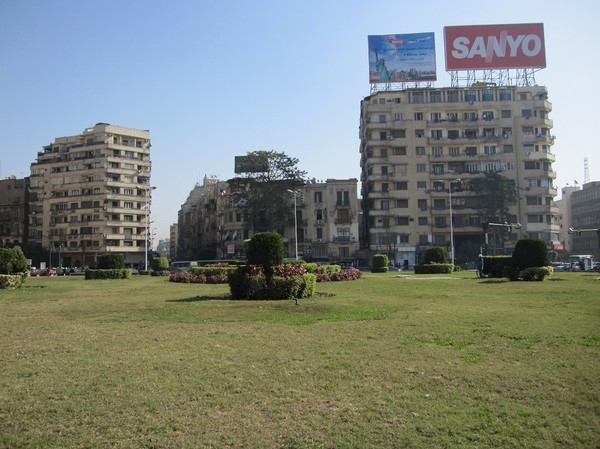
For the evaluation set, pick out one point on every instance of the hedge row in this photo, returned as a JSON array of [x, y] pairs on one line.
[[434, 268], [115, 273]]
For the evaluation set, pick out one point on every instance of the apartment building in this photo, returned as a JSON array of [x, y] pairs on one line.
[[326, 224], [13, 211], [421, 148], [585, 215], [91, 194]]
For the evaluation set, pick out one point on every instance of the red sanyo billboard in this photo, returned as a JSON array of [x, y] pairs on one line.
[[482, 47]]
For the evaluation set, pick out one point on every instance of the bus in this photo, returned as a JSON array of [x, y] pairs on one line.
[[182, 265], [584, 262]]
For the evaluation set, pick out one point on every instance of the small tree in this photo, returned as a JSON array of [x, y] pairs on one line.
[[435, 254], [265, 249], [111, 261], [380, 263], [530, 253]]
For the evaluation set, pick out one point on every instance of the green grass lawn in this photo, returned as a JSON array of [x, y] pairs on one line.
[[388, 361]]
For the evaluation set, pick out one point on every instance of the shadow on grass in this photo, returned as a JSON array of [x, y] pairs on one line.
[[202, 298], [229, 298]]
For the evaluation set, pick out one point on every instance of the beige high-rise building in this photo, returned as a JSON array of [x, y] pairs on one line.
[[90, 194], [421, 148]]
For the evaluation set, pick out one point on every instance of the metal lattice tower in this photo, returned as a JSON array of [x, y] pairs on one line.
[[586, 171]]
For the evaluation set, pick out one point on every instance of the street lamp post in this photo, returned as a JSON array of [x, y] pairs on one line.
[[451, 223], [295, 193]]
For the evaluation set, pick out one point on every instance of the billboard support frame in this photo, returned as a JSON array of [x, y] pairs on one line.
[[500, 77]]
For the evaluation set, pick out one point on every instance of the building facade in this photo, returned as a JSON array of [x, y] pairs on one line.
[[585, 213], [14, 208], [565, 221], [326, 225], [91, 194], [421, 148]]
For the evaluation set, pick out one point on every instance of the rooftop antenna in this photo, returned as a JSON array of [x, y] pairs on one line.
[[586, 171]]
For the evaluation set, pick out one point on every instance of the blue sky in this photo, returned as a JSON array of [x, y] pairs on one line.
[[216, 79]]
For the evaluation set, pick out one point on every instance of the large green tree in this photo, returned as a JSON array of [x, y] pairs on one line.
[[262, 189], [496, 194]]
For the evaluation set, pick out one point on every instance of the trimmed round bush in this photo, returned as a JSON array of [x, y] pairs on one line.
[[380, 263], [435, 254]]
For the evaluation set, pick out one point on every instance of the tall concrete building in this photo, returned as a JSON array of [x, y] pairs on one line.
[[422, 147], [91, 194], [585, 213], [14, 208]]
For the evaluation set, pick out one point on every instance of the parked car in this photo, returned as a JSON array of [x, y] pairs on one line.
[[46, 272]]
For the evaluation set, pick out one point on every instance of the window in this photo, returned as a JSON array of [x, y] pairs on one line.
[[398, 117], [534, 201], [436, 134], [399, 151], [452, 96], [438, 169], [319, 233], [526, 113], [384, 170], [385, 205], [319, 213], [507, 148], [419, 133], [383, 152], [454, 151], [439, 203], [318, 197], [402, 185], [435, 96], [453, 134], [505, 95], [417, 97], [402, 203], [382, 118], [422, 204], [421, 168], [487, 115], [436, 117], [343, 198], [419, 116], [420, 151], [422, 185], [489, 149], [399, 133], [401, 221], [506, 113], [437, 152], [385, 187], [423, 221]]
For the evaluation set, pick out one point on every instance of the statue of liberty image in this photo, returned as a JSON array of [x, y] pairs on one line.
[[382, 70]]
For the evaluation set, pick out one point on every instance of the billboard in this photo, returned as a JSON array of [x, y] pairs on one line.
[[245, 164], [483, 47], [397, 58]]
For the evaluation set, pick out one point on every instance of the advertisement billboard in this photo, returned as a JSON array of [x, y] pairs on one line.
[[483, 47], [397, 58]]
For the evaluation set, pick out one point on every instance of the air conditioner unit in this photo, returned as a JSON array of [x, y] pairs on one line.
[[319, 221]]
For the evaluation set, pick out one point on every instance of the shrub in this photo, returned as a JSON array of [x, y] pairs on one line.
[[380, 263], [117, 273], [160, 264], [10, 281], [435, 254], [214, 273], [265, 249], [329, 270], [348, 274], [109, 261], [434, 268], [496, 266], [12, 261], [187, 277], [530, 253], [535, 273], [250, 282]]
